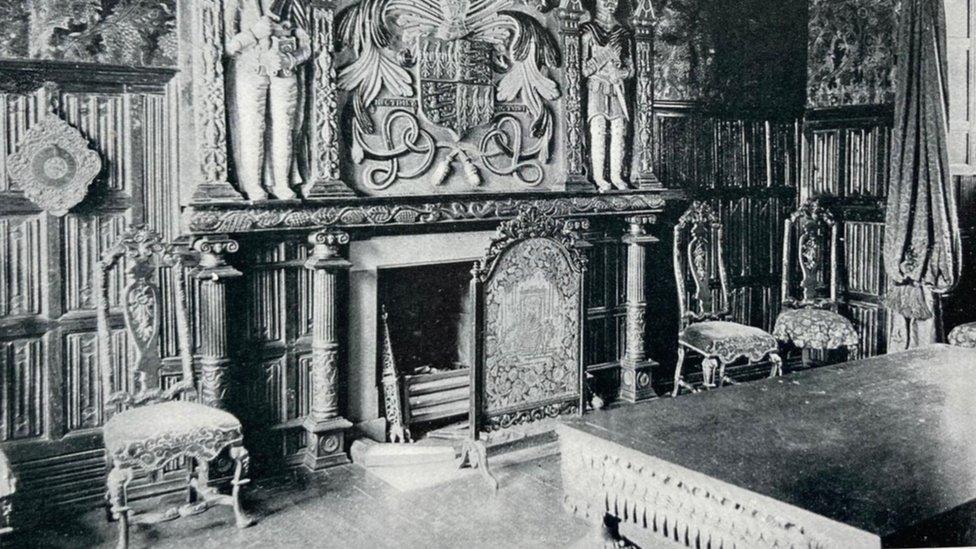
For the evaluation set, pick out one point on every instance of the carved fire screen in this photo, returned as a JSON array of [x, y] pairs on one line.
[[530, 290]]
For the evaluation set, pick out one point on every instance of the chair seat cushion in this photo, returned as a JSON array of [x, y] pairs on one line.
[[152, 435], [728, 340], [963, 335], [815, 329]]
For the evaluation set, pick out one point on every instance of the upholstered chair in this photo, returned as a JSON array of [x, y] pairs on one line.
[[810, 317], [699, 268], [152, 426], [963, 335]]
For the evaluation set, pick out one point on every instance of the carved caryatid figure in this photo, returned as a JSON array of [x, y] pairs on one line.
[[266, 44], [607, 52]]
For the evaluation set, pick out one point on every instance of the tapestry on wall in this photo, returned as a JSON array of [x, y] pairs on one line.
[[851, 52], [116, 32]]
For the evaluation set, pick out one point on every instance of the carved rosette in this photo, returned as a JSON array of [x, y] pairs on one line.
[[643, 170], [53, 165], [570, 14]]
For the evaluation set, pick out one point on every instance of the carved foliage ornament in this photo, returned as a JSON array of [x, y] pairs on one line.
[[435, 65], [53, 165]]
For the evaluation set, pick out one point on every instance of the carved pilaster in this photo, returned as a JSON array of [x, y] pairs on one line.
[[635, 368], [324, 126], [642, 172], [209, 106], [213, 273], [326, 428], [570, 13]]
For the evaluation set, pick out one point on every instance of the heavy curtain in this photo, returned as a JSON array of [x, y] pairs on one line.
[[922, 247]]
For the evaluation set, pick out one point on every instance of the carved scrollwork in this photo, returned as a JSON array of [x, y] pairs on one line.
[[286, 217], [531, 223], [441, 84], [521, 417], [53, 165]]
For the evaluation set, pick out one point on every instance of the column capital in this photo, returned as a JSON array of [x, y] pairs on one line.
[[327, 250], [637, 229], [213, 251]]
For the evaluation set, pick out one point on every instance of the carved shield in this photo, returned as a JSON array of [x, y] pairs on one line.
[[532, 334], [456, 90]]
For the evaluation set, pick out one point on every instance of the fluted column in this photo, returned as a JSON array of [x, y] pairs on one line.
[[636, 368], [326, 427], [643, 169], [213, 273]]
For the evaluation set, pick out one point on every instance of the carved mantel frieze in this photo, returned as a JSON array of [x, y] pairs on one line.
[[373, 212]]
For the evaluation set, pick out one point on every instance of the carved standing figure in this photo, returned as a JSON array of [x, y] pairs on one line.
[[607, 52], [266, 45]]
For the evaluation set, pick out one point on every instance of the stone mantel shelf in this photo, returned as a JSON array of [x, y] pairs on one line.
[[295, 215]]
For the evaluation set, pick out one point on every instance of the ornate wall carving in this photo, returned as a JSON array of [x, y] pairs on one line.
[[408, 213], [851, 57], [449, 97]]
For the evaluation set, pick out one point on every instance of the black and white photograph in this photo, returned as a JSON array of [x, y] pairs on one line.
[[499, 274]]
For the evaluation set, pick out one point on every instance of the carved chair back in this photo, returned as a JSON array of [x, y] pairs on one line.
[[810, 273], [141, 253], [699, 265]]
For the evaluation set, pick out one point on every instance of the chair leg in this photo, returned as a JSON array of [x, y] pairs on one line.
[[241, 463], [677, 371], [118, 481], [709, 365], [777, 368]]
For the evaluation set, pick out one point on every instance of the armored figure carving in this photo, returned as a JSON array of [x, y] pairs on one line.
[[266, 44], [607, 52]]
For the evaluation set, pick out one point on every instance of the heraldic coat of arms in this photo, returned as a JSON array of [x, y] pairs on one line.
[[442, 88]]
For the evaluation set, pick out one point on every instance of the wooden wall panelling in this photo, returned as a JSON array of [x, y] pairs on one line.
[[846, 160], [277, 309], [52, 403]]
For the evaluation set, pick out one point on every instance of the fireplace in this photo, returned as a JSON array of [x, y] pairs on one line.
[[429, 326]]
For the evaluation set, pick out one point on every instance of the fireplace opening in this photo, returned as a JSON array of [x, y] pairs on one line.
[[429, 319]]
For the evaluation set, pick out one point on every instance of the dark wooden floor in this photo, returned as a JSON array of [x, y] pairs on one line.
[[349, 507]]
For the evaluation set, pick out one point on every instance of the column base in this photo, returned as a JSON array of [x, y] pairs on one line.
[[326, 445], [327, 188], [635, 380], [648, 182], [575, 183]]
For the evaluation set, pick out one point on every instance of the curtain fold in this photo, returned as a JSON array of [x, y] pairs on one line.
[[922, 251]]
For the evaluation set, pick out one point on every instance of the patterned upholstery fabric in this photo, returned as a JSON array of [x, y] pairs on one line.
[[963, 335], [150, 436], [815, 329], [728, 340]]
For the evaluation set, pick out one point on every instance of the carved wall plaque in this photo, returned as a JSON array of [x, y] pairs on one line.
[[53, 165]]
